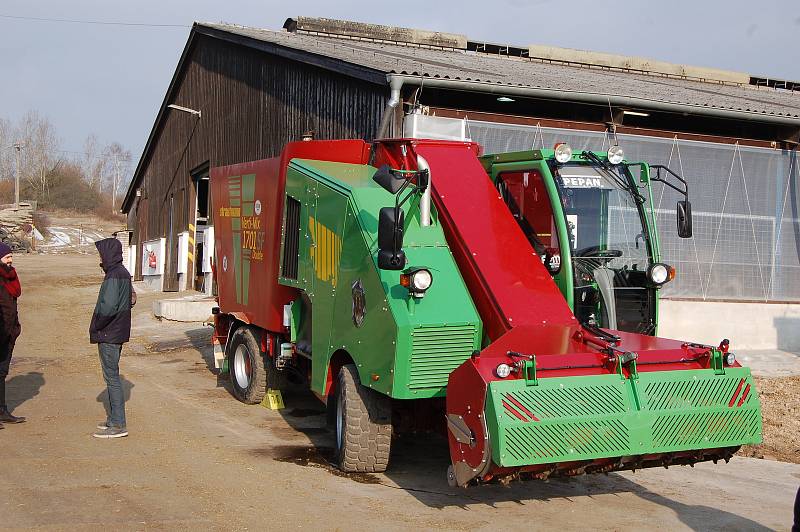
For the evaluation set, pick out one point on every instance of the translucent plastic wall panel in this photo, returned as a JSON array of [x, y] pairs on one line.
[[785, 282], [746, 243]]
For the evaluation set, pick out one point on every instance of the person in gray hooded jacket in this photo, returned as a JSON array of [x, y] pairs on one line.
[[110, 328]]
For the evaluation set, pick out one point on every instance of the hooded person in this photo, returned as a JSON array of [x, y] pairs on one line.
[[109, 329], [9, 325]]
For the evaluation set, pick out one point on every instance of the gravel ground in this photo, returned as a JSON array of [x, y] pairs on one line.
[[196, 459], [780, 406]]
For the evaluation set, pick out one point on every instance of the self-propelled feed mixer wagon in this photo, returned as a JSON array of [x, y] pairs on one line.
[[515, 296]]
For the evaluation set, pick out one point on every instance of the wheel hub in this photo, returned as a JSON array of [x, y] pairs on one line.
[[241, 367]]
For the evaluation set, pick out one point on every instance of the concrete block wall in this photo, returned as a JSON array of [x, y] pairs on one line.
[[746, 325]]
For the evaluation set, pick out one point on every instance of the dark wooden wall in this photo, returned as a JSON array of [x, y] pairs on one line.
[[252, 103]]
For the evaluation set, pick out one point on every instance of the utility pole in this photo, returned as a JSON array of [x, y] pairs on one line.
[[17, 146], [114, 185]]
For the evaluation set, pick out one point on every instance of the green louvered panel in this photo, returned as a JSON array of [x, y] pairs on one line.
[[436, 352], [692, 430], [603, 416], [694, 409], [572, 400], [692, 392], [559, 420], [566, 440]]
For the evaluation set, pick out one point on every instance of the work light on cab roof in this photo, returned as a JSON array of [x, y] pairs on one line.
[[563, 152], [615, 154]]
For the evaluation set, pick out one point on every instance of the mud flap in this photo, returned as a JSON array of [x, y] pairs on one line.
[[219, 354], [466, 425]]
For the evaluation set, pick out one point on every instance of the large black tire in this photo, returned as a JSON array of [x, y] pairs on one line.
[[247, 367], [363, 425]]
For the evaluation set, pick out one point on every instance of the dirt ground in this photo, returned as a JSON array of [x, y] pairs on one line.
[[198, 459], [780, 406]]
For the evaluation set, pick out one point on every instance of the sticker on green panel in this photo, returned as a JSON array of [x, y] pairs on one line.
[[247, 229], [326, 251]]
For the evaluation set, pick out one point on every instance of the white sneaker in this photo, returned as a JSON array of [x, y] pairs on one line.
[[111, 432]]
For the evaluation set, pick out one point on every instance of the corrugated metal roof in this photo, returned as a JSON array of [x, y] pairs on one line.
[[464, 65]]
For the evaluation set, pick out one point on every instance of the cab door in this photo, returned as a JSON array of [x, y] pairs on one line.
[[534, 201]]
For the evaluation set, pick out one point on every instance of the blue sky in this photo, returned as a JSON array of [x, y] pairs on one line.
[[110, 80]]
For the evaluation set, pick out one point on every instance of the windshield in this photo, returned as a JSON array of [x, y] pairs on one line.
[[604, 221]]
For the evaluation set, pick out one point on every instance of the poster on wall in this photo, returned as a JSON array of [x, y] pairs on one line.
[[208, 248], [183, 252], [153, 252]]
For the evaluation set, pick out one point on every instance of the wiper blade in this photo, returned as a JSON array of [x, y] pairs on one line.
[[624, 184], [595, 159]]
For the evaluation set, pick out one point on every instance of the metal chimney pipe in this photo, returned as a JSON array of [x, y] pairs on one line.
[[395, 83]]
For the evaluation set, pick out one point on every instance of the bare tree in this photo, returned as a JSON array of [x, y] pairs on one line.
[[6, 150], [117, 166], [44, 170], [40, 156], [92, 162]]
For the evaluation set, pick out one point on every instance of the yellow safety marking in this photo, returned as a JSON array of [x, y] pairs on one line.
[[326, 251], [273, 400]]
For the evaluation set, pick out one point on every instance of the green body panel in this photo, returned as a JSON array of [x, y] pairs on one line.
[[606, 416], [405, 347]]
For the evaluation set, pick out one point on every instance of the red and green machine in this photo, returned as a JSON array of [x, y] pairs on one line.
[[511, 299]]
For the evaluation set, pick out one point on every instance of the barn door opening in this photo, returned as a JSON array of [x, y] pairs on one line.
[[202, 249]]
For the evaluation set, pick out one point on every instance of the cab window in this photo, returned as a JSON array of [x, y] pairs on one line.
[[526, 196]]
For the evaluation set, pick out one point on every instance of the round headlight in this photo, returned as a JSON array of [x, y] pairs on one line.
[[729, 359], [659, 273], [503, 370], [615, 155], [563, 153], [421, 280]]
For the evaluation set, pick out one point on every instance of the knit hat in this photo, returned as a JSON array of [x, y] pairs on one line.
[[5, 249]]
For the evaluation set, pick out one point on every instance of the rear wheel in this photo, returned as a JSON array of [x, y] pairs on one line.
[[363, 425], [247, 367]]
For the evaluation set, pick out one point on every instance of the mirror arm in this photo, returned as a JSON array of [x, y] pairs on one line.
[[399, 203], [659, 167]]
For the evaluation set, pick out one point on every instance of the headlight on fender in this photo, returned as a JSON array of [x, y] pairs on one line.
[[660, 273], [417, 280]]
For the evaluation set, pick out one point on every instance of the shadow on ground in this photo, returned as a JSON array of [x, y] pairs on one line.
[[200, 340], [21, 388], [102, 397], [419, 464]]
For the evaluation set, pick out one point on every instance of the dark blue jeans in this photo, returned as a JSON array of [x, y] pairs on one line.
[[109, 360]]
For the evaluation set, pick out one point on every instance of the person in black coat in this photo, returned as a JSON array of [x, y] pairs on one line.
[[110, 328], [9, 326]]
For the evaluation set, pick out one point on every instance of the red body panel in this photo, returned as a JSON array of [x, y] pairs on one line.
[[508, 282], [265, 300], [521, 307]]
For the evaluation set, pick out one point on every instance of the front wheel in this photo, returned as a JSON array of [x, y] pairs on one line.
[[363, 422], [247, 367]]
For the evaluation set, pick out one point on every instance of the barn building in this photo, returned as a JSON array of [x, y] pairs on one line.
[[239, 94]]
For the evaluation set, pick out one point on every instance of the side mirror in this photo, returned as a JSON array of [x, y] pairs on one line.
[[387, 180], [390, 239], [684, 219]]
